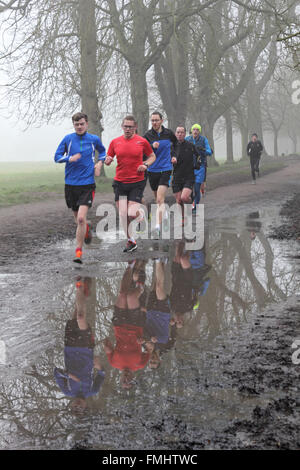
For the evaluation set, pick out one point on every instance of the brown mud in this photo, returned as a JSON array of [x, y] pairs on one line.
[[229, 382], [290, 229]]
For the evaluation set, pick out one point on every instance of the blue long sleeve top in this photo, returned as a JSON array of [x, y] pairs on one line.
[[81, 172], [79, 362], [203, 146]]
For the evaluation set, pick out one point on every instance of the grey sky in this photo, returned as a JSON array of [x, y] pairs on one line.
[[40, 143]]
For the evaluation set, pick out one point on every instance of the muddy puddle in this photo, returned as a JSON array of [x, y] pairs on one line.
[[137, 353]]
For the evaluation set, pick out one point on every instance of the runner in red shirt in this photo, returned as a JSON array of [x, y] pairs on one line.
[[130, 179]]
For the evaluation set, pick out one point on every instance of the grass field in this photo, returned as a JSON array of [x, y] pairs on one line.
[[23, 182]]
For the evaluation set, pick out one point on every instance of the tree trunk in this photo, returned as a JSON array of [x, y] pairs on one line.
[[88, 67], [244, 141], [88, 61], [293, 137], [229, 139], [208, 131], [275, 143], [139, 97], [172, 78]]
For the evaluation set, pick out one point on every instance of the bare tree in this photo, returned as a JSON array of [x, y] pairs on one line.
[[275, 103], [289, 31], [215, 50], [14, 5], [88, 64], [172, 74], [143, 30], [52, 61]]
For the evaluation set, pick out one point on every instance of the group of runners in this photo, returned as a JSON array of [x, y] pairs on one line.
[[160, 156]]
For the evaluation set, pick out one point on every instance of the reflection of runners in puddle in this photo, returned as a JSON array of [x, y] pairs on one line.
[[77, 379], [181, 296], [253, 224], [158, 316], [128, 325], [200, 280], [77, 151]]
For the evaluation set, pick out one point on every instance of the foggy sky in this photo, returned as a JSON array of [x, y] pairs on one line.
[[40, 143]]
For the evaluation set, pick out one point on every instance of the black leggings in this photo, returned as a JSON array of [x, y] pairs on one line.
[[254, 162]]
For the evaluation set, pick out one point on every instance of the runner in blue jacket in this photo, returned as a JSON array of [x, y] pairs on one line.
[[77, 151], [202, 144]]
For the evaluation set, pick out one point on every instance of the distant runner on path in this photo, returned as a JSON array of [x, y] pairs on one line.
[[129, 182], [254, 151], [77, 151]]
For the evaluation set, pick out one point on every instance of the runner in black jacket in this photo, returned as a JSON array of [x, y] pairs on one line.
[[185, 158], [254, 150]]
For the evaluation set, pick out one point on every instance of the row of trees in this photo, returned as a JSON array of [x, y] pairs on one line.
[[197, 60]]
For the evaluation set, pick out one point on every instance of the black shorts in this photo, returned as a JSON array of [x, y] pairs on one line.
[[146, 178], [79, 196], [158, 305], [178, 184], [124, 316], [75, 337], [160, 178], [133, 191]]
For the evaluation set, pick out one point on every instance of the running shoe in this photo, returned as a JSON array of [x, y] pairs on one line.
[[88, 234], [130, 246], [253, 182], [78, 256]]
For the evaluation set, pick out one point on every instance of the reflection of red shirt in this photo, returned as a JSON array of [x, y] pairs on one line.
[[129, 154], [128, 353]]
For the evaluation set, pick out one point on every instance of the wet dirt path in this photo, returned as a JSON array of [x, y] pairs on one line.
[[226, 377]]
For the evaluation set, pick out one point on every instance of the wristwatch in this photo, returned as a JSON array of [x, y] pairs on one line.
[[146, 164]]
